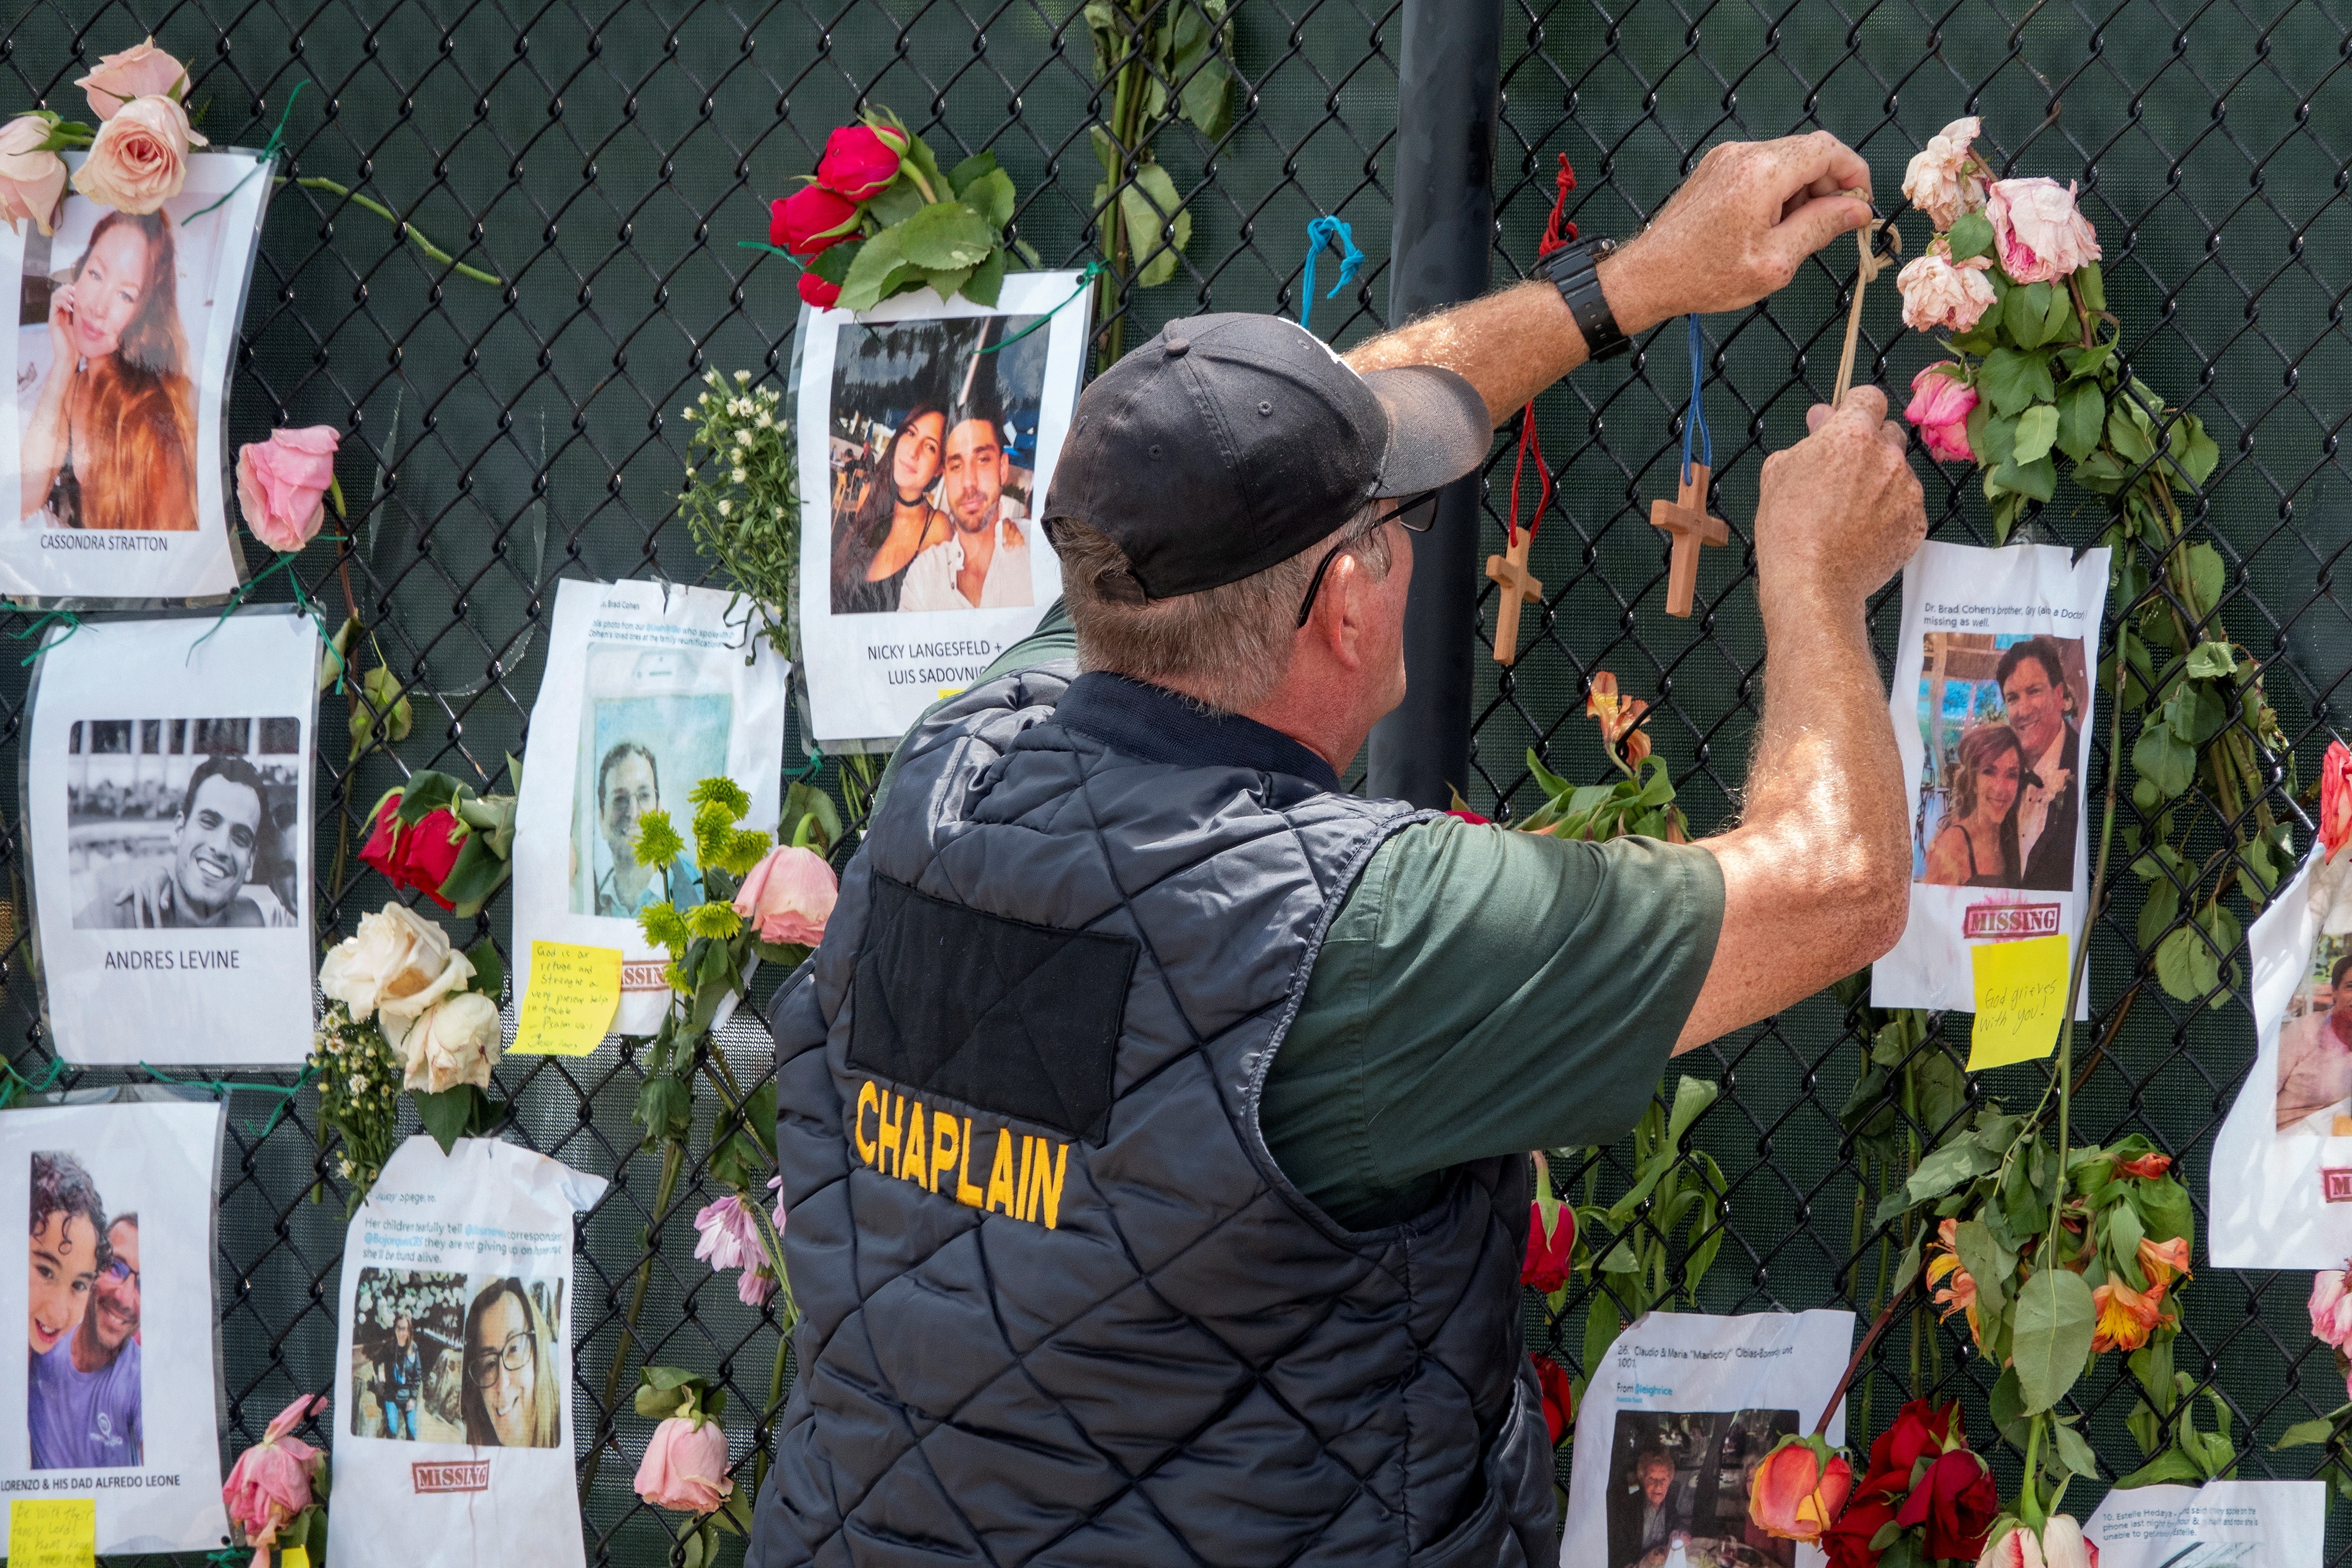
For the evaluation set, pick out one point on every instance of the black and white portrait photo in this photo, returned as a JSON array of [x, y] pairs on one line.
[[111, 456], [172, 860]]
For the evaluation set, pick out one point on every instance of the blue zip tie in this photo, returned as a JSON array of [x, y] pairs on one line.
[[1321, 232], [1697, 419]]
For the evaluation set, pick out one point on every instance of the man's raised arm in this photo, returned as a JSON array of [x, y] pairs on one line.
[[1738, 229]]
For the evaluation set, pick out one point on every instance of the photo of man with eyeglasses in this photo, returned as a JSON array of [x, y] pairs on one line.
[[81, 1399]]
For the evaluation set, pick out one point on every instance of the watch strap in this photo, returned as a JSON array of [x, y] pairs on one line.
[[1574, 270]]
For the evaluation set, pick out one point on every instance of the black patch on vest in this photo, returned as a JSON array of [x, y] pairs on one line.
[[1002, 1015]]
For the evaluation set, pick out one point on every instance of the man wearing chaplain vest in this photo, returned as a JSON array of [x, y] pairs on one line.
[[1154, 1117]]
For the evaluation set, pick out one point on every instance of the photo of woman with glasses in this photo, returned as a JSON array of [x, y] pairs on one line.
[[513, 1396]]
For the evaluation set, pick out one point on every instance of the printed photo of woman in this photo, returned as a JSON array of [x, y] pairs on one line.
[[111, 442], [893, 520], [513, 1396], [1978, 845]]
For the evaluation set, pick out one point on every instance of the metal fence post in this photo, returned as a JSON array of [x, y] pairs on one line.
[[1446, 109]]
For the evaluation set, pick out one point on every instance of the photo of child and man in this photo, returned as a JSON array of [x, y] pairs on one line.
[[453, 1358], [934, 453], [81, 1389], [1681, 1479], [2001, 797]]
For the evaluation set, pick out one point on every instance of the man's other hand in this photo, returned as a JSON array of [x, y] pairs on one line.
[[1738, 227], [1842, 508]]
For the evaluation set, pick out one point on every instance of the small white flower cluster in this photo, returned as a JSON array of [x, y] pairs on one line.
[[741, 498], [359, 1093]]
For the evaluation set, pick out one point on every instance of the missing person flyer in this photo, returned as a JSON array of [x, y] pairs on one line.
[[2221, 1524], [650, 688], [167, 796], [1679, 1414], [453, 1440], [928, 433], [119, 1398], [1991, 703]]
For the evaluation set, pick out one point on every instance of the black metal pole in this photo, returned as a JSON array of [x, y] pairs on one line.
[[1447, 84]]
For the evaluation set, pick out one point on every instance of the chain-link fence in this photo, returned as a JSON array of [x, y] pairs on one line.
[[603, 157]]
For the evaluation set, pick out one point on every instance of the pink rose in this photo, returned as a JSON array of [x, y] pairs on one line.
[[1940, 405], [857, 164], [790, 895], [270, 1482], [2038, 233], [1937, 293], [2331, 1307], [144, 71], [139, 160], [281, 486], [32, 178], [684, 1467], [1945, 179]]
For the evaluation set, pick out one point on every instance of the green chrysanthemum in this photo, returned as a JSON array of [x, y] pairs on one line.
[[741, 853], [716, 921], [723, 792], [712, 828], [656, 842], [663, 927]]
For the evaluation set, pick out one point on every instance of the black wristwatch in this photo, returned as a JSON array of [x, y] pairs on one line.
[[1574, 270]]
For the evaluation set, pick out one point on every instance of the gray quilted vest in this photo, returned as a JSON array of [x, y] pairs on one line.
[[1061, 1306]]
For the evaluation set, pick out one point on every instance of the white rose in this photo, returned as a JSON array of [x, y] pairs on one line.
[[403, 1015], [395, 952], [456, 1043]]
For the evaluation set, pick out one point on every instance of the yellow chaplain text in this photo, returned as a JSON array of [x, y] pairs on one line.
[[933, 1149]]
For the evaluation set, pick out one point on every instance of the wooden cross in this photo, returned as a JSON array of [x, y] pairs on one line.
[[1686, 517], [1510, 573]]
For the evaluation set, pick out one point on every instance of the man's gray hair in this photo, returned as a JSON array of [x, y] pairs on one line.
[[1227, 646]]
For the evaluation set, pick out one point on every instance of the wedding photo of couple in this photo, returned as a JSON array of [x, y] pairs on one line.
[[2000, 796]]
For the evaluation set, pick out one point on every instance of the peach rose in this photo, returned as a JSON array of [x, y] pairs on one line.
[[139, 160], [1937, 293], [32, 177], [1945, 179], [684, 1467], [281, 485], [144, 71], [2040, 234], [789, 896]]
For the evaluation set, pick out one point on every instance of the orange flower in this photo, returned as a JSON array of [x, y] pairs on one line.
[[1958, 1292], [2147, 1167], [2160, 1263], [2125, 1316], [1795, 1495], [1618, 717]]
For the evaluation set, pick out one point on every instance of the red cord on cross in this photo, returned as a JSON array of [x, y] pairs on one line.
[[1559, 230]]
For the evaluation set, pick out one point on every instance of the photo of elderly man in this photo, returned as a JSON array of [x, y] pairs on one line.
[[983, 564], [82, 1393], [219, 832]]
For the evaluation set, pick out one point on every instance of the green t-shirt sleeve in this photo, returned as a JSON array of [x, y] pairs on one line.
[[1484, 992]]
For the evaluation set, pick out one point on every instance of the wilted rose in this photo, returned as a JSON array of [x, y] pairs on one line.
[[455, 1041], [140, 71], [789, 895], [1944, 178], [2331, 1306], [402, 1017], [857, 164], [684, 1467], [395, 953], [1937, 292], [31, 178], [811, 219], [281, 485], [1956, 1501], [2036, 227], [2335, 797], [1940, 405], [271, 1481], [1550, 1246], [139, 160], [1559, 1396]]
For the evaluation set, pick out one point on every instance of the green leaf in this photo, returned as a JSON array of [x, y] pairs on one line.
[[2037, 432], [944, 237], [2125, 432], [2194, 450], [2318, 1429], [2058, 317], [2207, 576], [898, 202], [2163, 906], [987, 280], [1601, 1327], [2164, 760], [1157, 227], [1207, 97], [960, 177], [489, 969], [2209, 661], [2051, 1337], [2185, 964], [2194, 711], [2086, 363], [1970, 235], [927, 162], [452, 1115], [2094, 285], [2082, 415], [2171, 1465], [2038, 478], [880, 267], [1988, 1264], [946, 284], [2124, 1233], [2026, 313], [991, 196], [2006, 1405], [1999, 437], [2074, 1452], [1962, 1159], [2008, 379], [665, 1109]]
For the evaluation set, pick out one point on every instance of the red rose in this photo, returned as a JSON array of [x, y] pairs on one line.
[[1548, 1251], [817, 291], [1956, 1501], [1473, 817], [811, 219], [428, 851], [382, 850], [857, 164], [1558, 1398], [1920, 1430], [1848, 1541]]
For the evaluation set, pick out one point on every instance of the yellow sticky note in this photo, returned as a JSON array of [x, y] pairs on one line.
[[294, 1557], [946, 691], [52, 1532], [568, 1008], [2021, 997]]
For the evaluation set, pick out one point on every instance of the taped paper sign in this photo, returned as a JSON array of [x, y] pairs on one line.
[[1680, 1412], [2221, 1524], [575, 992], [1991, 703]]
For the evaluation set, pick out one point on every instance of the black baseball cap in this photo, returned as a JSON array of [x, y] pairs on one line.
[[1231, 442]]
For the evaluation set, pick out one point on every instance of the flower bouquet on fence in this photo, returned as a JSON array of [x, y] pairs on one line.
[[435, 835], [685, 1467], [276, 1494]]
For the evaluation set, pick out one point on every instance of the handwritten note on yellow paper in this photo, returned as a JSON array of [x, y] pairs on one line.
[[52, 1532], [2021, 996], [568, 1008]]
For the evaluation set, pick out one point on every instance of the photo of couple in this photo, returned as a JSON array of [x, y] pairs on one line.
[[2000, 796], [445, 1358], [81, 1391], [933, 445]]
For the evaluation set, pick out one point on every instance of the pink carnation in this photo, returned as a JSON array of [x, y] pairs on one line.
[[1946, 178], [1937, 292], [1940, 405], [2040, 234]]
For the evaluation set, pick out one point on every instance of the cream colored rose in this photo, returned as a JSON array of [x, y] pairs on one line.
[[394, 954], [144, 71], [31, 179], [1946, 178], [139, 159], [453, 1043], [1937, 293], [2040, 234], [403, 1015]]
